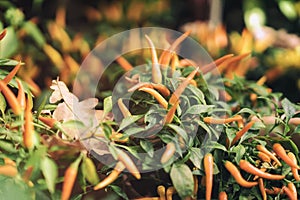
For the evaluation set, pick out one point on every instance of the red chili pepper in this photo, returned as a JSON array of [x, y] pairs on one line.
[[240, 133], [129, 164], [123, 108], [12, 73], [11, 98], [280, 151], [223, 196], [294, 170], [156, 95], [262, 189], [264, 157], [171, 113], [177, 93], [21, 95], [111, 177], [124, 63], [207, 68], [48, 121], [161, 190], [211, 120], [28, 133], [156, 73], [266, 151], [166, 54], [237, 175], [248, 167], [274, 191], [208, 168], [169, 152], [69, 179]]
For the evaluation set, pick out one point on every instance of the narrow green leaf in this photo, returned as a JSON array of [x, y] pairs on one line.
[[288, 107], [196, 157], [2, 103], [182, 179], [49, 170], [107, 105], [148, 147], [129, 120], [35, 33], [89, 171]]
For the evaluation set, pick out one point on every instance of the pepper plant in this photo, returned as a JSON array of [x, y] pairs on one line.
[[176, 131]]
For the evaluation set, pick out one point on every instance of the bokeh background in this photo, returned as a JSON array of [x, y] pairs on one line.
[[53, 36]]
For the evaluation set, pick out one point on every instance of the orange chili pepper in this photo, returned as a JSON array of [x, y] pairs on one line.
[[171, 113], [161, 190], [266, 151], [156, 95], [207, 68], [162, 89], [264, 157], [174, 63], [2, 34], [48, 121], [11, 98], [195, 178], [211, 120], [293, 189], [177, 93], [12, 73], [261, 169], [123, 108], [111, 177], [248, 167], [8, 161], [21, 95], [237, 175], [294, 170], [124, 63], [170, 192], [156, 73], [165, 57], [223, 196], [262, 188], [28, 133], [169, 152], [290, 192], [69, 179], [280, 151], [274, 191], [240, 133], [208, 168], [8, 170], [129, 164]]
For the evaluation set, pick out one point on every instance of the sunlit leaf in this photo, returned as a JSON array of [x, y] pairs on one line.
[[182, 179], [50, 172]]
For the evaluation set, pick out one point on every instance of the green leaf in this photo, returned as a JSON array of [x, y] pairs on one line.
[[89, 171], [180, 131], [248, 111], [119, 191], [107, 105], [2, 103], [148, 147], [239, 150], [8, 62], [198, 109], [215, 145], [196, 157], [36, 34], [288, 107], [9, 44], [129, 120], [49, 170], [182, 179]]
